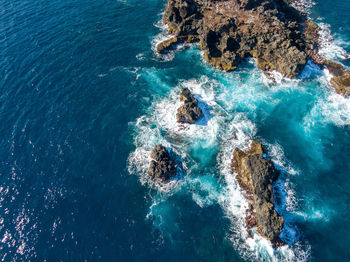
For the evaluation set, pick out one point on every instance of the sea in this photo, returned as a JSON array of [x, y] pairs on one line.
[[84, 98]]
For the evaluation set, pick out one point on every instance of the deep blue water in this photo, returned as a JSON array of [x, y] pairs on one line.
[[83, 98]]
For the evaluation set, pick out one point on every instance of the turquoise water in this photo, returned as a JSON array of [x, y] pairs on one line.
[[84, 98]]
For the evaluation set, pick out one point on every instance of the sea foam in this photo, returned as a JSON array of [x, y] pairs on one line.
[[222, 128]]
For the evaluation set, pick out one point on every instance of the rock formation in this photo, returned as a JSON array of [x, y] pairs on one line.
[[189, 112], [255, 174], [230, 30], [161, 167], [341, 77], [341, 83], [272, 31]]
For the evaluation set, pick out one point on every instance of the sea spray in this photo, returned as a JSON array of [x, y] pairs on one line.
[[233, 94], [218, 129]]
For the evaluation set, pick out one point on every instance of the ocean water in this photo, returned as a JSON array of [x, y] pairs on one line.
[[84, 98]]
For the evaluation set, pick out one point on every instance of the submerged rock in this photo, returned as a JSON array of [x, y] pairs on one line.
[[256, 175], [189, 112], [161, 166]]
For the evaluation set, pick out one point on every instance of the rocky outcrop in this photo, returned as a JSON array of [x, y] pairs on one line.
[[272, 31], [162, 166], [341, 77], [230, 30], [256, 175], [189, 112], [340, 80], [341, 83], [171, 42]]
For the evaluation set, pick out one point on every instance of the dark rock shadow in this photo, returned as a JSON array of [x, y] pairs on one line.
[[206, 110], [290, 233], [310, 71], [180, 172]]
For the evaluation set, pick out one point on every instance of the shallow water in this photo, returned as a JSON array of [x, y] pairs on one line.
[[84, 98]]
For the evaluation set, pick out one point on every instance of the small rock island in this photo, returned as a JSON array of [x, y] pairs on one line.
[[162, 167], [189, 112], [256, 175]]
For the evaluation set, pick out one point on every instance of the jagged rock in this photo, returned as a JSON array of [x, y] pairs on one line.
[[272, 31], [186, 95], [230, 30], [167, 44], [256, 175], [341, 83], [341, 77], [172, 42], [189, 112], [161, 167], [334, 68]]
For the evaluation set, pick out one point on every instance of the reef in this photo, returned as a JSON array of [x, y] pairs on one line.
[[162, 167], [272, 31], [256, 175], [189, 112]]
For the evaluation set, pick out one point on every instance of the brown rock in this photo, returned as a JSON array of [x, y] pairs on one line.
[[341, 83], [334, 68], [189, 112], [341, 77], [272, 31], [230, 30], [167, 44], [172, 42], [186, 95], [161, 167], [255, 174]]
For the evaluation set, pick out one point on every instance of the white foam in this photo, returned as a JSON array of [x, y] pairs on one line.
[[204, 190], [291, 200], [330, 47], [237, 134], [303, 5], [276, 152], [139, 162], [277, 77], [323, 214], [161, 37], [330, 108], [311, 70], [224, 127], [333, 108], [235, 204], [141, 56], [159, 126]]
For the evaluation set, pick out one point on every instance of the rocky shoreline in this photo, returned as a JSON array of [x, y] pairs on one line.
[[281, 39], [272, 31]]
